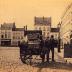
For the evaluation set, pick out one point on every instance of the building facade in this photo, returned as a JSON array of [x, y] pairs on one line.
[[10, 35], [6, 33], [17, 35], [55, 32], [44, 24], [66, 25]]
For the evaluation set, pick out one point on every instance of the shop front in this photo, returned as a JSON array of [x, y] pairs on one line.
[[5, 42]]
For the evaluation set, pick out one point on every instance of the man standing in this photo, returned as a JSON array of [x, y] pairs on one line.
[[47, 45], [52, 45], [42, 55]]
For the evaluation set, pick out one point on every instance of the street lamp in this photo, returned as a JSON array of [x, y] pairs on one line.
[[59, 40]]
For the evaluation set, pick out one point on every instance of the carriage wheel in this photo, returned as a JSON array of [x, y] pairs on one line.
[[27, 59], [22, 56]]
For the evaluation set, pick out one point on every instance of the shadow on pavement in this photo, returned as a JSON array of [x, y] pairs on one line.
[[54, 65]]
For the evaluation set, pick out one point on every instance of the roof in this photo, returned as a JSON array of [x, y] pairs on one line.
[[42, 20], [8, 25], [54, 29], [18, 29]]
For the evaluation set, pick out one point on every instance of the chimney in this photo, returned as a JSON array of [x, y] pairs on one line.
[[14, 25], [43, 19], [26, 28], [24, 31], [35, 20]]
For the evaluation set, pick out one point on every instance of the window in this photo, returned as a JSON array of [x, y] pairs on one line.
[[21, 37], [44, 34], [5, 35], [36, 28], [55, 35], [2, 36], [39, 28], [71, 36], [13, 37], [43, 28], [18, 37], [48, 34], [48, 28], [9, 35]]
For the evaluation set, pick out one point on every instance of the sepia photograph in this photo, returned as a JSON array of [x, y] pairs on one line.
[[35, 35]]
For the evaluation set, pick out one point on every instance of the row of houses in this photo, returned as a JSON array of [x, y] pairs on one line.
[[11, 35]]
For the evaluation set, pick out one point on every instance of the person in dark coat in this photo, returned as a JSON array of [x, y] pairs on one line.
[[47, 45], [23, 44], [51, 47], [42, 55]]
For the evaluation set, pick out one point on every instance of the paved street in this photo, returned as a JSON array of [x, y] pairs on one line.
[[10, 62]]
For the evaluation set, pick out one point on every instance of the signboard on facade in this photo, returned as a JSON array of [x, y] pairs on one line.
[[33, 34]]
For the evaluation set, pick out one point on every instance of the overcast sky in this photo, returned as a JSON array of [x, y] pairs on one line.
[[22, 12]]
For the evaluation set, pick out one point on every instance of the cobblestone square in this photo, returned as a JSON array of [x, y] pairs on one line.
[[10, 62]]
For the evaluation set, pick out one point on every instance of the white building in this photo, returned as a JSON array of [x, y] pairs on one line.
[[66, 25], [44, 24]]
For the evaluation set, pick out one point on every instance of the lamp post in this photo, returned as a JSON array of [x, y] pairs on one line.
[[71, 37], [59, 40]]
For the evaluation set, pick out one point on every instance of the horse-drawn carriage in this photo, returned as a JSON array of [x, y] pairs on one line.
[[31, 47]]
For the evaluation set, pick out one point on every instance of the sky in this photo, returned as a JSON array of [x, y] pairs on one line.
[[22, 12]]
